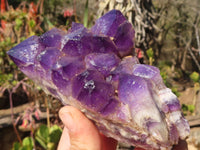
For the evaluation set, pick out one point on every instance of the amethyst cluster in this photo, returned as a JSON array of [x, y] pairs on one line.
[[91, 69]]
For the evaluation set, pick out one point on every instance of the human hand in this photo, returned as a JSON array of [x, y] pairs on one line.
[[80, 133]]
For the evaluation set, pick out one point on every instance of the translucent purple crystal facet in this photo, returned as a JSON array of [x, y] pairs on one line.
[[51, 38], [90, 69], [109, 23], [26, 52]]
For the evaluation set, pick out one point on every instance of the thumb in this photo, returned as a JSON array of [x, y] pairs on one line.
[[79, 132]]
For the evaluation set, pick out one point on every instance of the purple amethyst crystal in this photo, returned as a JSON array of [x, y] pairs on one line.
[[52, 38], [109, 23], [115, 26], [90, 69], [104, 63]]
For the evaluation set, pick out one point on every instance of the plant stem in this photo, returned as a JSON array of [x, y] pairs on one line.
[[12, 117], [47, 109], [85, 17], [74, 10], [32, 133], [150, 61]]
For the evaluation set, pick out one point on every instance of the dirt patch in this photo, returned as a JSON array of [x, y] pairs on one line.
[[187, 96]]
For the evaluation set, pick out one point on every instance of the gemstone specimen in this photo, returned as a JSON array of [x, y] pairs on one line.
[[91, 69]]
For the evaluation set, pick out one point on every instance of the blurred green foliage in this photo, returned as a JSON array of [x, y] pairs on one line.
[[187, 109], [22, 22], [6, 65], [150, 54], [46, 137], [27, 144], [195, 77]]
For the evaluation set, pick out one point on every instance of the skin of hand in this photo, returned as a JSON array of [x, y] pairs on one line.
[[80, 133]]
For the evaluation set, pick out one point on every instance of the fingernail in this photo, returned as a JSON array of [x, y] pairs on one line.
[[68, 121]]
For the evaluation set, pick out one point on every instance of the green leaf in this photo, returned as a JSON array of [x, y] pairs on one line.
[[191, 108], [41, 142], [55, 133], [16, 146], [26, 147], [42, 136], [164, 76], [175, 91], [5, 77], [184, 107], [51, 146], [28, 141], [43, 133], [150, 52], [19, 23], [32, 23], [195, 76]]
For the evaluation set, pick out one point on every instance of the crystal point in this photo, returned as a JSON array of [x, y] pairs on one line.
[[109, 23], [26, 51]]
